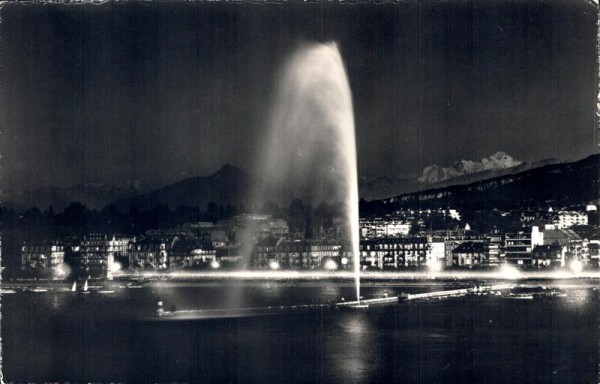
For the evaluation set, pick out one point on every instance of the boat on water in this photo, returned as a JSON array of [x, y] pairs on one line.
[[134, 285], [520, 296], [38, 289], [85, 287], [7, 291], [74, 286]]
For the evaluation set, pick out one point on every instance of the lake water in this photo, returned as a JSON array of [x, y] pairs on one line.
[[61, 336]]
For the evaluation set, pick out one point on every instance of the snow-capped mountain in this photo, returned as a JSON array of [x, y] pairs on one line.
[[498, 161], [553, 184], [462, 173]]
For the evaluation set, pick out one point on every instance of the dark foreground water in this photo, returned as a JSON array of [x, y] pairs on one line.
[[60, 336]]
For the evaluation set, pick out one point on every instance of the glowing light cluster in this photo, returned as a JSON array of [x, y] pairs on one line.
[[115, 267], [435, 266], [510, 272], [330, 265], [576, 266], [273, 264]]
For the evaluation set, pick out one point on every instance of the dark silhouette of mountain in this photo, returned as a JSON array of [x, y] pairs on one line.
[[229, 185], [557, 185], [92, 195], [386, 186]]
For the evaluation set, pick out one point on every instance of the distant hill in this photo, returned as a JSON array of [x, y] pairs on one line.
[[566, 184], [229, 185], [92, 195]]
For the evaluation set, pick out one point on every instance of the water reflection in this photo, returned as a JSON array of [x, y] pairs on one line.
[[354, 351], [578, 299], [58, 336]]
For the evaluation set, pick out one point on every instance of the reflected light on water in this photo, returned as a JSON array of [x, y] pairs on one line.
[[578, 299], [355, 355]]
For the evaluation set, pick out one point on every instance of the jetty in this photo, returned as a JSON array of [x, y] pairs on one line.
[[362, 304], [459, 292]]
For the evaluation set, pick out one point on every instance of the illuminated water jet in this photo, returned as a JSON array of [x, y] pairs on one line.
[[312, 147]]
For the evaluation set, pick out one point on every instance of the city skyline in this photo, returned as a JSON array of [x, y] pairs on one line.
[[154, 93]]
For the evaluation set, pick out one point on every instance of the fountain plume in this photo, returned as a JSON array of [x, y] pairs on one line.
[[311, 148]]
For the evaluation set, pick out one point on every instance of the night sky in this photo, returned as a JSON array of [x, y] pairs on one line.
[[156, 92]]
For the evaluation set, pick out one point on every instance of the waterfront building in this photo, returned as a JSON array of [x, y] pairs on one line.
[[192, 253], [519, 245], [436, 254], [282, 253], [469, 254], [494, 249], [575, 246], [394, 252], [229, 256], [549, 255], [150, 253], [451, 239], [97, 252], [45, 254]]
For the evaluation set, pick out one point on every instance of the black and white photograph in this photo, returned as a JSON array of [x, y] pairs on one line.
[[300, 191]]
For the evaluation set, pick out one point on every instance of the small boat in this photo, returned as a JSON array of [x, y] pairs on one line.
[[132, 285], [85, 287], [39, 289], [105, 291], [521, 296], [5, 291], [74, 287]]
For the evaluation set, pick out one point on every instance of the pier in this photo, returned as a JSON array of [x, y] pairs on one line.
[[459, 292], [290, 309]]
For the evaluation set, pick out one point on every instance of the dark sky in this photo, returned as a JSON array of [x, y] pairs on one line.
[[156, 92]]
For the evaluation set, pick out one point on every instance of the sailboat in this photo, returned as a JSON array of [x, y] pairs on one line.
[[74, 287], [85, 287]]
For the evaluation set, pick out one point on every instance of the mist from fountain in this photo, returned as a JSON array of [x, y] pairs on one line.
[[311, 146]]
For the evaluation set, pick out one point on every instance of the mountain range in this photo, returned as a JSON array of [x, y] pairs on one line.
[[499, 180], [498, 161], [434, 176], [93, 195], [557, 185]]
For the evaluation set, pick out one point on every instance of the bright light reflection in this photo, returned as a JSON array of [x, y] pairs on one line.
[[115, 267], [510, 272], [505, 272], [330, 265], [274, 265], [62, 271], [215, 264], [434, 266], [576, 266]]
